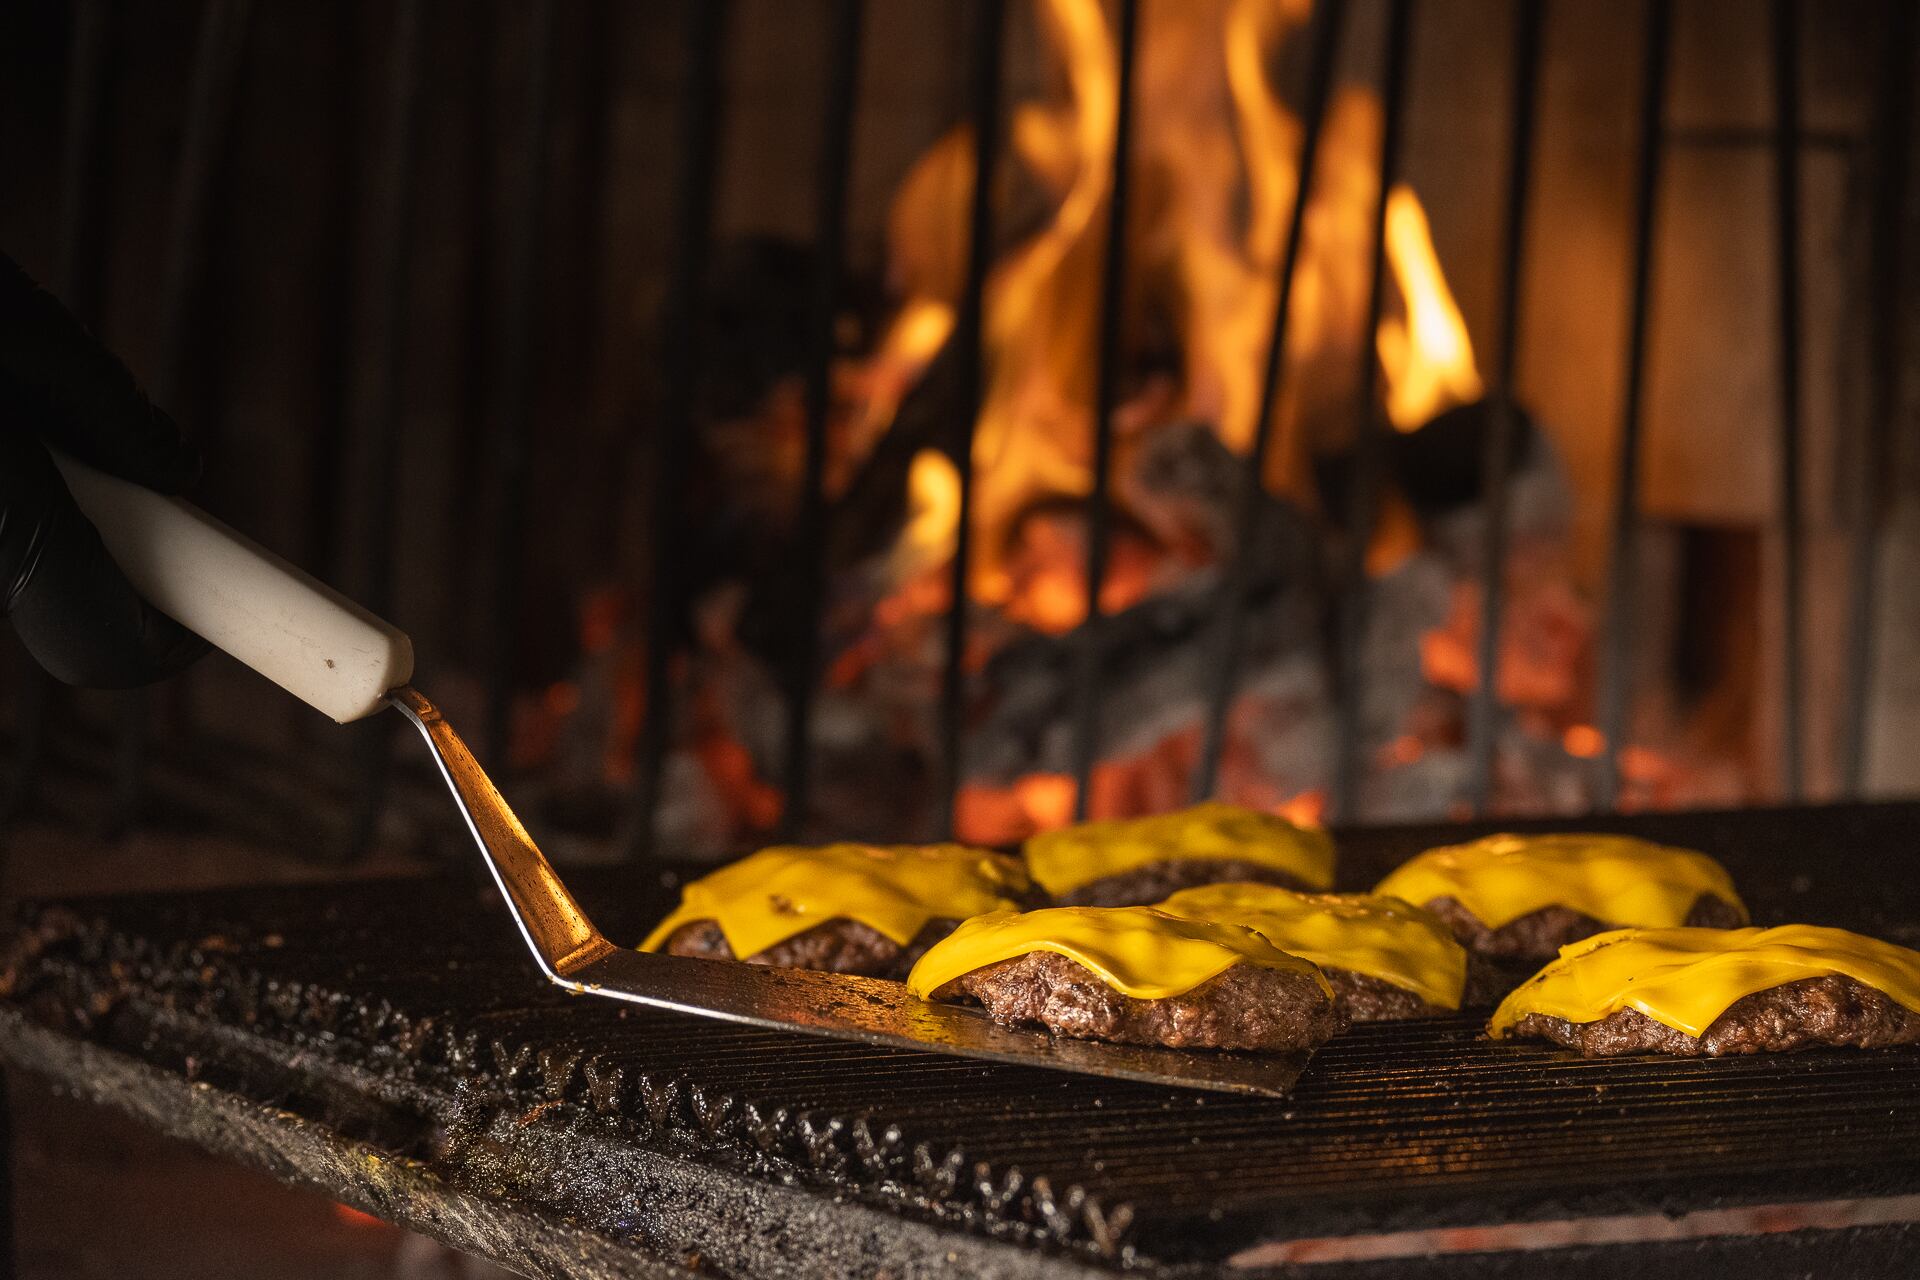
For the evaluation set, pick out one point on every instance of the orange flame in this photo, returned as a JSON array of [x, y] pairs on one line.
[[1214, 159], [1426, 356]]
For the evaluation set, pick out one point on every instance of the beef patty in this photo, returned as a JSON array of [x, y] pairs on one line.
[[1157, 881], [1364, 998], [1830, 1010], [1537, 937], [838, 945], [1242, 1007]]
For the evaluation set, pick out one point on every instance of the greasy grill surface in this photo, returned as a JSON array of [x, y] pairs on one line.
[[415, 999]]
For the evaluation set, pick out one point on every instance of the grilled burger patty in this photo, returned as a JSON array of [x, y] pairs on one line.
[[1364, 998], [1158, 881], [1831, 1010], [839, 945], [1243, 1007], [1537, 937]]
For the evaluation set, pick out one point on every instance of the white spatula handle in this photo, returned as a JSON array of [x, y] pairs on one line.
[[297, 632]]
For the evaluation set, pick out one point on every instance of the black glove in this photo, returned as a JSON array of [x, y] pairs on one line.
[[67, 600]]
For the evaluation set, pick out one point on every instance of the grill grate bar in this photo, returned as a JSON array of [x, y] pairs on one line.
[[512, 436], [989, 32], [1091, 648], [830, 241], [1786, 164], [383, 347], [1329, 19], [1622, 576], [1892, 127], [672, 433], [1483, 709], [212, 97], [1363, 495]]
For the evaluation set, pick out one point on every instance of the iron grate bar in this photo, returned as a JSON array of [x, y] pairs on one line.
[[1091, 648], [1622, 575], [1369, 453], [1893, 125], [511, 446], [672, 443], [212, 95], [836, 149], [1329, 20], [1786, 157], [383, 352], [1495, 467], [985, 61]]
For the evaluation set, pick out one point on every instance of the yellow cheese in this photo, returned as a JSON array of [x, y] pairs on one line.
[[1064, 860], [1138, 951], [772, 895], [1615, 879], [1380, 937], [1685, 978]]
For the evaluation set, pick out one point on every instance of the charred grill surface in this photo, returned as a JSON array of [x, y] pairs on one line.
[[404, 1017]]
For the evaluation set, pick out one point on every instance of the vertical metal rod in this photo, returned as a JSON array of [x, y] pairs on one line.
[[1622, 578], [1893, 145], [382, 353], [76, 281], [830, 235], [682, 350], [969, 339], [1370, 454], [1529, 17], [210, 105], [77, 277], [513, 430], [9, 1247], [1329, 20], [1112, 303], [1786, 176]]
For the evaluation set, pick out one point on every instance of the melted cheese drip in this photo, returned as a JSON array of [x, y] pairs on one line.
[[1382, 938], [770, 896], [1685, 978], [1615, 879], [1138, 951], [1064, 860]]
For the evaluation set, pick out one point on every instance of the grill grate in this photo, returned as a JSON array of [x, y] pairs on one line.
[[1393, 1127]]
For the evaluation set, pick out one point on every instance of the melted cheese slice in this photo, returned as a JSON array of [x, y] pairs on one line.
[[1383, 938], [1064, 860], [1138, 951], [1615, 879], [770, 896], [1685, 978]]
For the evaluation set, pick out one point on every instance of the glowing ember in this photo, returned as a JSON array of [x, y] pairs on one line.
[[1583, 740]]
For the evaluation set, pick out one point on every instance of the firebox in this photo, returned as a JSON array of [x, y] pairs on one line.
[[957, 418]]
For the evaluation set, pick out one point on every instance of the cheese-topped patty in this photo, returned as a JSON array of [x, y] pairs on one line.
[[778, 893], [1617, 880], [1136, 951], [1377, 937], [1072, 857], [1686, 978]]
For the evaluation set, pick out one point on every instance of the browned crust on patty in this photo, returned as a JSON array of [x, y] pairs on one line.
[[1832, 1010], [839, 945], [1537, 937], [1365, 998], [1157, 881], [1243, 1007]]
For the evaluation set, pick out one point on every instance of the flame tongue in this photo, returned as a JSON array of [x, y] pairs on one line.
[[1427, 357]]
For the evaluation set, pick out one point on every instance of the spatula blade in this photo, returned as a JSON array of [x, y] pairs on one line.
[[870, 1011]]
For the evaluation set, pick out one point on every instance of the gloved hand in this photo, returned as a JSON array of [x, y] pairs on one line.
[[67, 600]]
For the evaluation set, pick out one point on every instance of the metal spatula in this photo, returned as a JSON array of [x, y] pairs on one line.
[[338, 658]]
